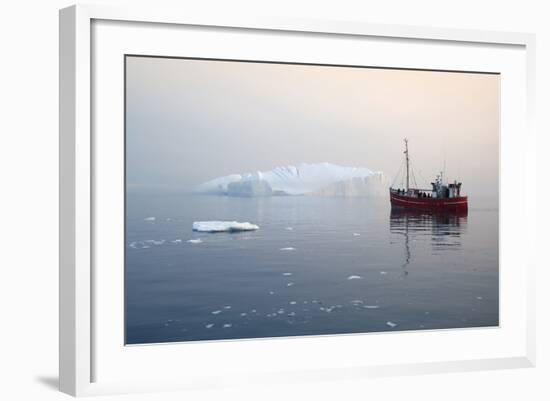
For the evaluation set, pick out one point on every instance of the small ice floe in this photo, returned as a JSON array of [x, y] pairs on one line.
[[356, 302], [292, 302], [243, 314], [209, 325], [133, 245], [287, 274], [479, 298], [154, 242], [289, 228], [216, 312], [328, 310], [354, 277], [150, 218], [289, 284], [356, 234], [176, 241], [227, 307], [383, 273], [281, 311], [288, 248], [253, 311], [426, 313], [223, 226], [195, 241], [291, 314], [271, 292], [371, 306], [391, 324], [227, 325]]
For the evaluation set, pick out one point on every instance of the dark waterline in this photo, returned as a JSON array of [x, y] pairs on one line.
[[317, 265]]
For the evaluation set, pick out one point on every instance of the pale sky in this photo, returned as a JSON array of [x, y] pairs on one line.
[[189, 121]]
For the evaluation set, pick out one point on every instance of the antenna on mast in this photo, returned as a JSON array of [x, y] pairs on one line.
[[407, 160]]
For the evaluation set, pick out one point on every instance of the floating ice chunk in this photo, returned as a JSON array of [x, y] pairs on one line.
[[288, 248], [271, 292], [209, 325], [391, 324], [289, 284], [383, 273], [323, 178], [354, 277], [281, 311], [356, 302], [154, 242], [223, 226], [150, 218], [195, 241], [291, 314], [227, 325], [292, 302], [216, 312], [479, 298], [253, 311], [133, 245], [289, 228], [243, 314], [356, 234], [371, 306], [176, 241], [287, 274], [227, 307]]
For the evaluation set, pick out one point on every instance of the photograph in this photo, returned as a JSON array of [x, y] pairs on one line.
[[273, 199]]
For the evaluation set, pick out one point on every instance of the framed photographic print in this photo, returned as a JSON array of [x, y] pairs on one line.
[[249, 200]]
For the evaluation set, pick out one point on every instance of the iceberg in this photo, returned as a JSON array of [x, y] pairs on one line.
[[323, 179], [223, 226]]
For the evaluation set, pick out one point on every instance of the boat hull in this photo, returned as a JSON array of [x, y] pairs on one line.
[[458, 204]]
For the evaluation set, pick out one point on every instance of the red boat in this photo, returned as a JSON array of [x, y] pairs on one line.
[[440, 198]]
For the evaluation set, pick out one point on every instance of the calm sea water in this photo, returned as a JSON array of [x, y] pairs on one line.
[[317, 265]]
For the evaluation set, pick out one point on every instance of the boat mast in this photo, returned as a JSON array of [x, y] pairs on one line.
[[407, 160]]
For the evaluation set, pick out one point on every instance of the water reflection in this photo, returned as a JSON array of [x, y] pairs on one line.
[[441, 230]]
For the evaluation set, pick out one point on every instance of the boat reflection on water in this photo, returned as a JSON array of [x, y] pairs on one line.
[[441, 231]]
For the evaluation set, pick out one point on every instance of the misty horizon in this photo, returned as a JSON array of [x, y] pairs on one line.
[[190, 121]]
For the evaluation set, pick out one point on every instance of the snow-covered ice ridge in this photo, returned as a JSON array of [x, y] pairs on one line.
[[316, 178], [223, 226]]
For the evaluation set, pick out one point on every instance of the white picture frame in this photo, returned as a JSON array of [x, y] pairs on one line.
[[78, 224]]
